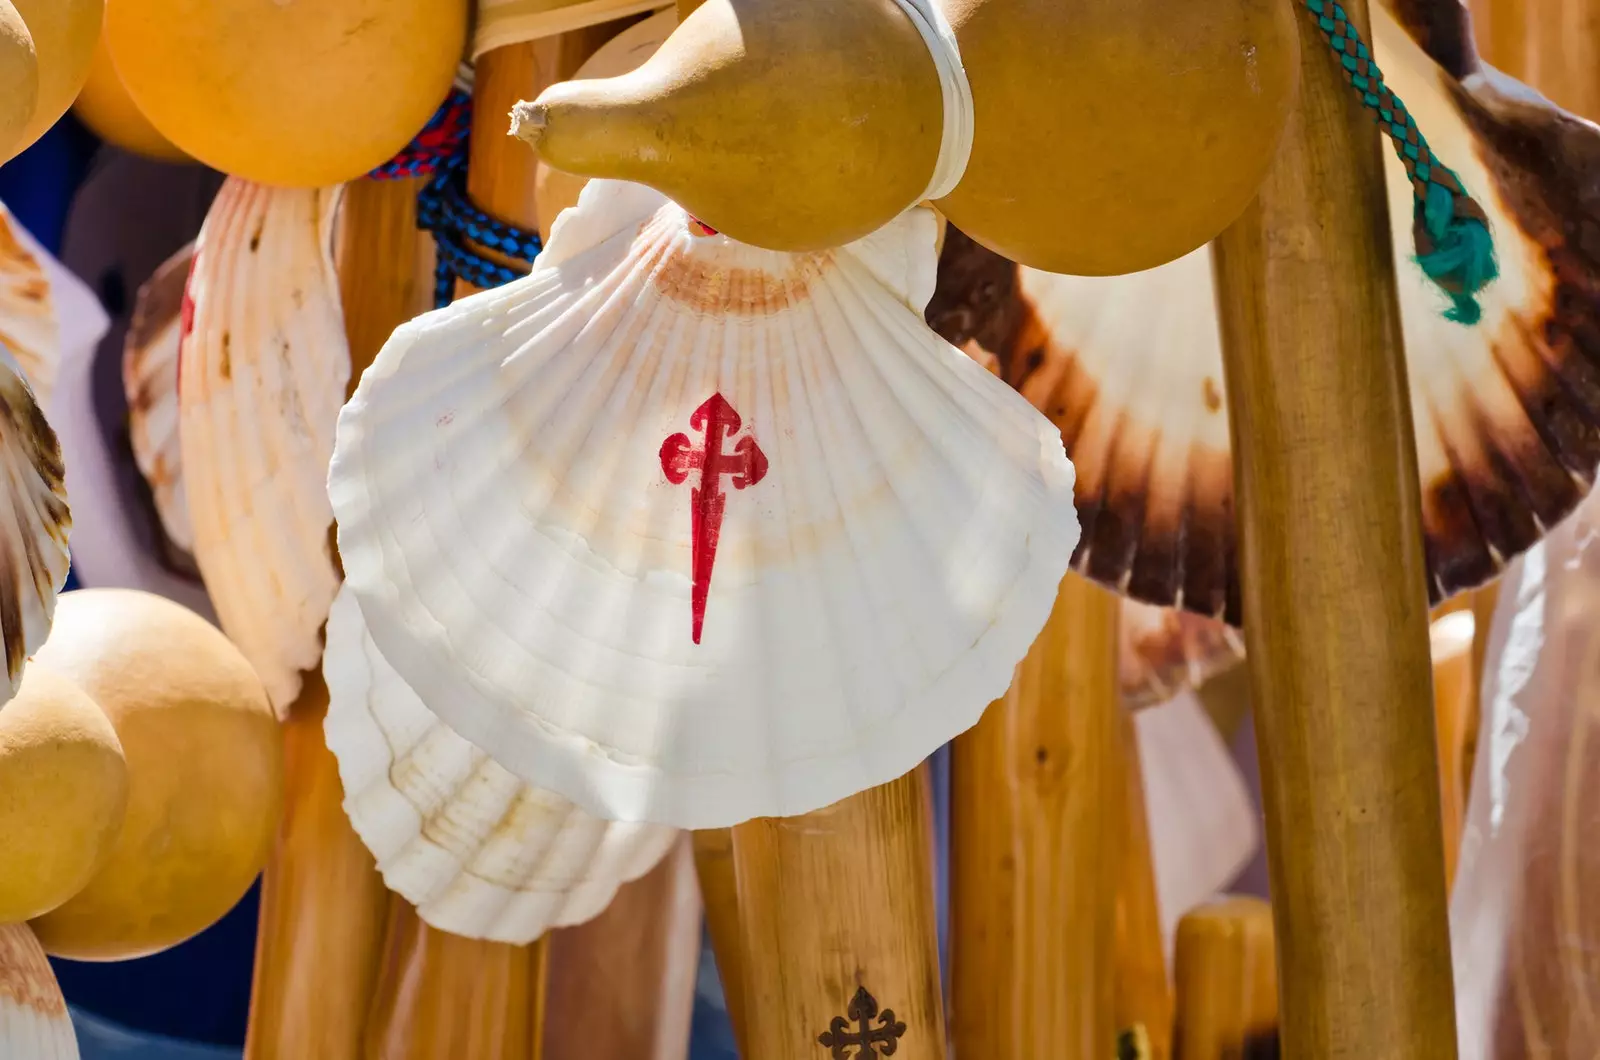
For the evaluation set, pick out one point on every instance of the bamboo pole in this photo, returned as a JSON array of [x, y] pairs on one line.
[[323, 904], [628, 978], [1141, 990], [1227, 982], [836, 920], [1333, 589], [719, 889], [1034, 867], [441, 993]]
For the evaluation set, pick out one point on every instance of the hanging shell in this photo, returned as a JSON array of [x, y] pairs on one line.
[[876, 543], [33, 540], [28, 324], [477, 851], [34, 1022], [1203, 822], [261, 380], [150, 377], [1507, 419], [1163, 651]]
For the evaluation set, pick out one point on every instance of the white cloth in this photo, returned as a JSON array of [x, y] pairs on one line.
[[955, 146]]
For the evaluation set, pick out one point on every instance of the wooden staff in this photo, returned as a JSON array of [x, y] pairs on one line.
[[719, 889], [1227, 982], [628, 977], [323, 905], [1034, 868], [1142, 992], [1333, 588], [441, 993], [836, 923]]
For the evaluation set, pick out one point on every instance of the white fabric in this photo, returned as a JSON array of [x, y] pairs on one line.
[[955, 146]]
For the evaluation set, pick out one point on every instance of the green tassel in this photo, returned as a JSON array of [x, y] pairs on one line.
[[1455, 248]]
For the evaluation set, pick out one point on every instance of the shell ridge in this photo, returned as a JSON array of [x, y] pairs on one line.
[[425, 601], [440, 873]]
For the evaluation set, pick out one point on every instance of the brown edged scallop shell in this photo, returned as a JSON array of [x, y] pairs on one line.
[[1507, 413]]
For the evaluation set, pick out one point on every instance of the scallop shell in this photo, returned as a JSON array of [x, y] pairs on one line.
[[1203, 822], [879, 539], [34, 1022], [477, 851], [1507, 413], [261, 380], [33, 538], [1163, 651], [150, 377], [29, 327]]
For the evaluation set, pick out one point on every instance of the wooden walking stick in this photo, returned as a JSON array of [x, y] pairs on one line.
[[1227, 988], [719, 890], [1333, 590], [1035, 855], [1142, 993], [323, 904], [837, 928], [442, 994]]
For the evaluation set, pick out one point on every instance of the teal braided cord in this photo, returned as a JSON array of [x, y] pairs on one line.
[[1450, 229]]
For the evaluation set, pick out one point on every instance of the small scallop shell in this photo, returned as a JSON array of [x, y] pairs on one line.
[[1507, 414], [477, 851], [29, 327], [876, 542], [34, 1022], [1163, 651], [1202, 819], [33, 539], [261, 379], [150, 376]]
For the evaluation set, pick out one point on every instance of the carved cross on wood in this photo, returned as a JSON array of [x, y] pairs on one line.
[[868, 1041]]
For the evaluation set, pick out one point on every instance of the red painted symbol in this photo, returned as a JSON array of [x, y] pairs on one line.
[[718, 422]]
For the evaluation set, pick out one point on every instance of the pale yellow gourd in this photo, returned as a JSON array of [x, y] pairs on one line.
[[19, 79], [64, 33], [106, 108], [205, 768], [1111, 135], [296, 93], [63, 791], [788, 124]]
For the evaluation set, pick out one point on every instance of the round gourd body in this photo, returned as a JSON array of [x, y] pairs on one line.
[[298, 93], [1113, 136], [19, 79], [63, 791], [64, 36], [204, 764], [106, 108]]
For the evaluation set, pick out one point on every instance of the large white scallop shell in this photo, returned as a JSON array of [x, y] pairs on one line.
[[34, 1022], [33, 532], [262, 376], [29, 326], [150, 378], [894, 521], [476, 850], [1506, 413]]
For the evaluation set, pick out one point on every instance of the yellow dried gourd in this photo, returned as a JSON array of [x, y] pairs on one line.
[[297, 93], [64, 36], [106, 108]]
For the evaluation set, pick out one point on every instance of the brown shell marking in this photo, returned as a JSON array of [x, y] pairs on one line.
[[33, 565], [28, 325], [714, 289], [150, 380], [1515, 420], [25, 975], [978, 307]]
